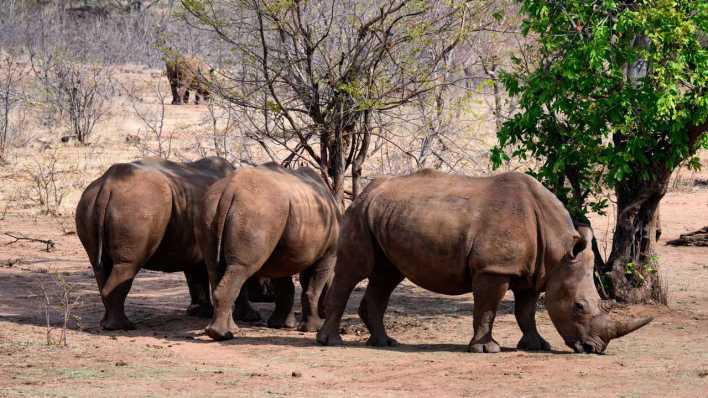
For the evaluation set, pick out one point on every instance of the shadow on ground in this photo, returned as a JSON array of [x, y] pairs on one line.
[[157, 303]]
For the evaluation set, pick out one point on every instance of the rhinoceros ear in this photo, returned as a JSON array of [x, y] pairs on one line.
[[578, 247], [583, 241]]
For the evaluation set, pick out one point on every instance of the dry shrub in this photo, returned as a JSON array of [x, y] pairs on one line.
[[77, 95], [153, 139], [682, 181], [222, 133], [11, 96], [62, 302], [50, 182]]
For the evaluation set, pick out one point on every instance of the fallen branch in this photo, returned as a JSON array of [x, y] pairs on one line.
[[695, 238], [50, 244]]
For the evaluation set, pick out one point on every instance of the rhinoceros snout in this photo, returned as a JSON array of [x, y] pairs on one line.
[[590, 346]]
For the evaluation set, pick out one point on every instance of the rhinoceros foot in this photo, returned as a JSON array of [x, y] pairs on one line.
[[219, 330], [247, 315], [117, 323], [311, 325], [381, 341], [277, 321], [326, 338], [533, 343], [489, 347]]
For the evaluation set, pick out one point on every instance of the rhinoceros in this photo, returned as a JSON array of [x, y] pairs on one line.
[[269, 221], [142, 214], [456, 234]]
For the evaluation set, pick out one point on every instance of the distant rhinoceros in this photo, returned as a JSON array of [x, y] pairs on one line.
[[455, 234], [187, 73], [142, 214], [269, 221]]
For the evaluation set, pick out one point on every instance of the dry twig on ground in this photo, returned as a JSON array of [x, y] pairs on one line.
[[50, 244]]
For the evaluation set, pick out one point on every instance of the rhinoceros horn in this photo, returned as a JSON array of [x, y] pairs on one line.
[[615, 329]]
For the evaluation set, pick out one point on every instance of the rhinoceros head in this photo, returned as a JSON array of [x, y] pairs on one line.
[[574, 305]]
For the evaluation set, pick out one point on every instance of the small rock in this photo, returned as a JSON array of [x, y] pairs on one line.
[[121, 363], [296, 373], [703, 373]]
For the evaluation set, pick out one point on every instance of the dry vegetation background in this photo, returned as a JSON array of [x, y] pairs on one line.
[[84, 87], [82, 92]]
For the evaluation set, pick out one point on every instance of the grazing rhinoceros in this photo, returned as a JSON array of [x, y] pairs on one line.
[[455, 234], [273, 222], [142, 214]]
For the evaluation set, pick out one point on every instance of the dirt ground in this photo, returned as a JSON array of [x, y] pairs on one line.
[[169, 355]]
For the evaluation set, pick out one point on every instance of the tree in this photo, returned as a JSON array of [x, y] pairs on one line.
[[313, 76], [617, 100]]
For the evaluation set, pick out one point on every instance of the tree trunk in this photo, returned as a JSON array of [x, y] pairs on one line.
[[632, 269]]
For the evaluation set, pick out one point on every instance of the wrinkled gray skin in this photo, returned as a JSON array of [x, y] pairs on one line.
[[269, 221], [455, 234], [142, 214]]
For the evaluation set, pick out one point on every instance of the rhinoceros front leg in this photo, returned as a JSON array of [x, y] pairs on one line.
[[313, 281], [198, 283], [283, 315], [525, 311], [176, 100], [488, 290]]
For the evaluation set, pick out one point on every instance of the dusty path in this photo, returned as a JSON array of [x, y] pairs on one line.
[[169, 356]]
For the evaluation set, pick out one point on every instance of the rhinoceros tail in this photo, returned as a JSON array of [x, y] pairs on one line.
[[100, 209], [222, 212]]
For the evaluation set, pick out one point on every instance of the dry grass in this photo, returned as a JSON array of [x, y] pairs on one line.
[[683, 180], [48, 175]]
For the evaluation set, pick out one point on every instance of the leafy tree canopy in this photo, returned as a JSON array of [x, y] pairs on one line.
[[618, 94]]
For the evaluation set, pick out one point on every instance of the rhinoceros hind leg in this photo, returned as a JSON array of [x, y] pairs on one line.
[[113, 294], [336, 302], [488, 290], [198, 283], [313, 281], [227, 288], [525, 311], [283, 316], [349, 271], [382, 282]]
